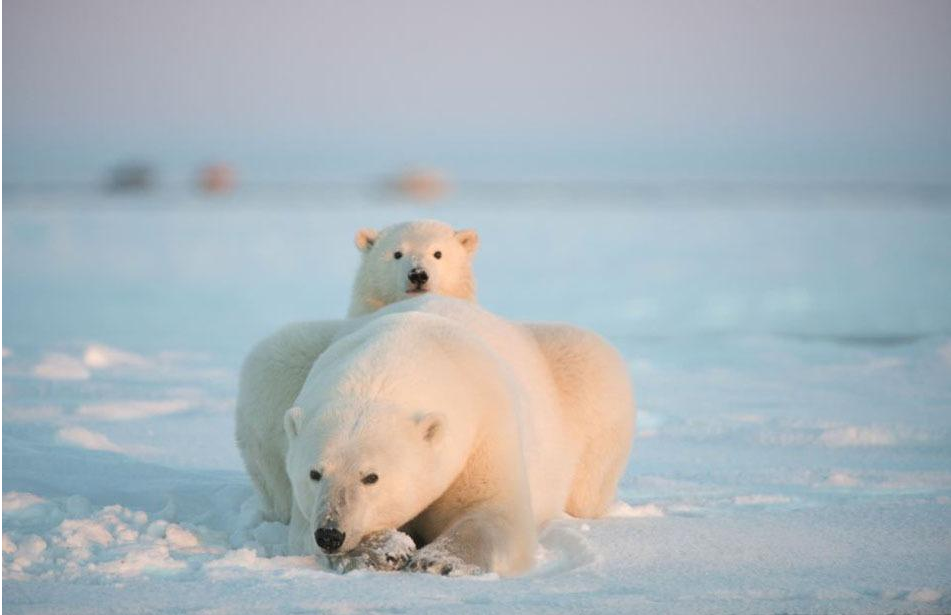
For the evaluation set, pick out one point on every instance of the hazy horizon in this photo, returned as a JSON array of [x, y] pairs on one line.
[[605, 91]]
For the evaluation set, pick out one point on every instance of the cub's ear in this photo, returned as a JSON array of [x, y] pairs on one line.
[[469, 239], [430, 427], [365, 238], [293, 419]]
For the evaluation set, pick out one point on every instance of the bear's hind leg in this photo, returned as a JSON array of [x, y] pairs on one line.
[[597, 407], [594, 488]]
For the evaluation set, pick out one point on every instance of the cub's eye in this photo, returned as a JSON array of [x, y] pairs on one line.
[[369, 479], [437, 254], [397, 255], [314, 475]]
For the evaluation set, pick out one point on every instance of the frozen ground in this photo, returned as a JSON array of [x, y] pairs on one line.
[[791, 354]]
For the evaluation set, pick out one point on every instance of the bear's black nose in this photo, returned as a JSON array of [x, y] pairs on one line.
[[418, 276], [329, 539]]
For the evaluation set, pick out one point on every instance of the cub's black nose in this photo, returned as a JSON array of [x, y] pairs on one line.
[[418, 276], [329, 539]]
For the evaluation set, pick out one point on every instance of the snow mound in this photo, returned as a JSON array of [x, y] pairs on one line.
[[926, 595], [624, 510], [89, 440], [67, 539], [133, 409], [99, 356], [841, 479], [562, 548], [58, 366], [14, 501]]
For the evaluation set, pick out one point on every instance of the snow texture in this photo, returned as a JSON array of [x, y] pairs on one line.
[[791, 354]]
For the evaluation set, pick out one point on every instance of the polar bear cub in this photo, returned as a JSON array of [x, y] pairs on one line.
[[438, 418], [409, 259]]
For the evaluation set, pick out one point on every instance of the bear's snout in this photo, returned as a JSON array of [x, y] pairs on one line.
[[418, 277], [329, 539]]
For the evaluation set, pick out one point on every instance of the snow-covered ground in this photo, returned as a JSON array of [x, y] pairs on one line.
[[791, 353]]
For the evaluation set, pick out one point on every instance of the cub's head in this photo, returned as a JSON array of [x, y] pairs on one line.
[[357, 472], [406, 260]]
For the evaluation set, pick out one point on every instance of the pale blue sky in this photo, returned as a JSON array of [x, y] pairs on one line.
[[773, 90]]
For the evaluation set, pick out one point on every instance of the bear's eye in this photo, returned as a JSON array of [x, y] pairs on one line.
[[369, 479], [314, 475], [397, 255], [437, 254]]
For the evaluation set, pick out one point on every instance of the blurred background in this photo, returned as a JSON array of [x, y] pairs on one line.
[[618, 92], [751, 200]]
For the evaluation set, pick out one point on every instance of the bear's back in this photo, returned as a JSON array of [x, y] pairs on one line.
[[548, 447], [411, 358]]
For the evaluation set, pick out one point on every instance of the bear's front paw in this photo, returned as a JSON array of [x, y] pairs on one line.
[[441, 563], [383, 550]]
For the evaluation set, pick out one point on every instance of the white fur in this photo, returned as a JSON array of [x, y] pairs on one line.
[[384, 279], [477, 436]]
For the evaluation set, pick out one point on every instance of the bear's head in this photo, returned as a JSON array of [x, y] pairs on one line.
[[409, 259], [360, 470]]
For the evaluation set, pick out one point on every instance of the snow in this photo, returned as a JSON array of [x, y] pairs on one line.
[[755, 499], [623, 509], [791, 354], [61, 366], [925, 594], [858, 436], [58, 366], [84, 438], [14, 501], [128, 410], [98, 356]]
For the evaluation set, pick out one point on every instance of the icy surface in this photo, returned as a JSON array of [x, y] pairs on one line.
[[791, 354]]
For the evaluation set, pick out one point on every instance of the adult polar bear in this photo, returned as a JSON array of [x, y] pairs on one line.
[[399, 262], [457, 420]]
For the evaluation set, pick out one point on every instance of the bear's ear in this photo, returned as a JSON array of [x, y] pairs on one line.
[[365, 238], [469, 239], [430, 427], [292, 421]]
